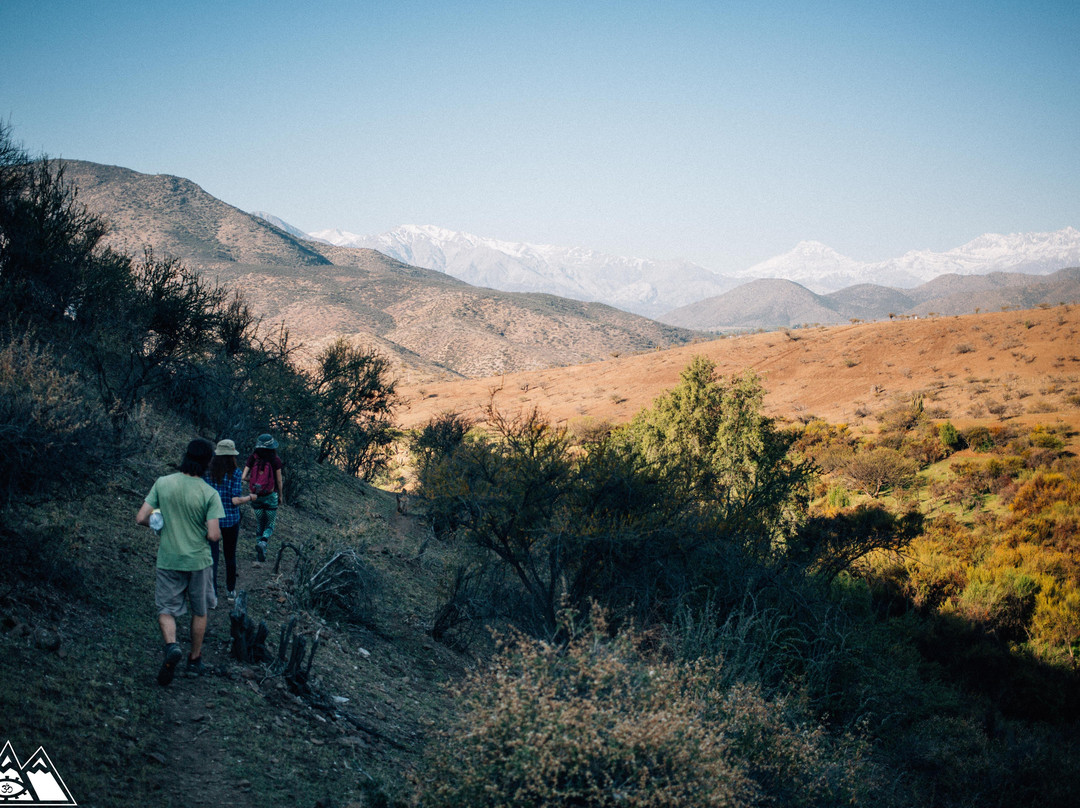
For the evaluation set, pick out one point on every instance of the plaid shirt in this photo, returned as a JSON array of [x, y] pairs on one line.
[[228, 488]]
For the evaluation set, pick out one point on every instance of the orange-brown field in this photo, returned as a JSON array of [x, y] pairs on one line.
[[1012, 366]]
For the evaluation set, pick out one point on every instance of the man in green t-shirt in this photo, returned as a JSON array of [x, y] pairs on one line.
[[190, 509]]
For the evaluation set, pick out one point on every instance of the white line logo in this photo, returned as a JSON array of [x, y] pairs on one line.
[[34, 783]]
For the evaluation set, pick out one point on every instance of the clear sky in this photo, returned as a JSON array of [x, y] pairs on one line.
[[721, 132]]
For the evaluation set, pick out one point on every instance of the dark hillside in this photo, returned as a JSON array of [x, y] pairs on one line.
[[92, 701], [777, 303], [952, 294]]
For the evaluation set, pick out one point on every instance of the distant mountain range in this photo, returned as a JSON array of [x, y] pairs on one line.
[[438, 325], [636, 285], [432, 324], [823, 270], [773, 303], [657, 288]]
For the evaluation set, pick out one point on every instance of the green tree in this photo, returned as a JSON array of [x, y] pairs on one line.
[[156, 335], [354, 397], [709, 438], [439, 470], [949, 436], [672, 510]]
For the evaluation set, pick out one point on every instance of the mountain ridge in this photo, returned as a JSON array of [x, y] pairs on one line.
[[652, 284], [775, 303], [823, 270], [433, 325], [639, 285]]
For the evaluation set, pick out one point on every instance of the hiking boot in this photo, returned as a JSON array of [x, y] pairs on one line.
[[168, 666], [195, 667], [232, 595], [260, 551]]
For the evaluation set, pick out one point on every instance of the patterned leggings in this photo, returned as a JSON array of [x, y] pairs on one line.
[[265, 516]]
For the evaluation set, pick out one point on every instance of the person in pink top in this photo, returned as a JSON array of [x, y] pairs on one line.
[[262, 473]]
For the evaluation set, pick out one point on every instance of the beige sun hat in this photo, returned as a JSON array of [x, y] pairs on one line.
[[226, 447]]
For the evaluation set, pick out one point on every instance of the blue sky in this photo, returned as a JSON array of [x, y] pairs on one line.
[[720, 132]]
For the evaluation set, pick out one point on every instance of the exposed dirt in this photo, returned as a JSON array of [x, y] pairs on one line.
[[192, 740]]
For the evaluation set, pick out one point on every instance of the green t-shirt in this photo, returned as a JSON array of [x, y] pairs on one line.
[[186, 503]]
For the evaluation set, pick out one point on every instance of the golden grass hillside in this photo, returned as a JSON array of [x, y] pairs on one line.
[[1022, 366]]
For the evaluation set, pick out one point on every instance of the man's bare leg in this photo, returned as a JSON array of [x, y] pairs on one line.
[[198, 631], [168, 627]]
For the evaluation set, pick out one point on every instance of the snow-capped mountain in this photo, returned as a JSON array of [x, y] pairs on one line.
[[638, 285], [811, 264], [652, 288], [824, 270]]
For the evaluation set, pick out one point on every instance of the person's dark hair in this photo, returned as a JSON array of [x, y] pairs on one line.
[[197, 457], [221, 466], [265, 455]]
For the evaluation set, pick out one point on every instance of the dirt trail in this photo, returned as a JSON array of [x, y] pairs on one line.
[[197, 746], [237, 735]]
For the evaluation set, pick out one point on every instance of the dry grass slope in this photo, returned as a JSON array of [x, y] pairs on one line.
[[1015, 365]]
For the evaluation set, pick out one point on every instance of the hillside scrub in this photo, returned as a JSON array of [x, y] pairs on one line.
[[600, 720], [691, 500], [853, 651], [154, 331]]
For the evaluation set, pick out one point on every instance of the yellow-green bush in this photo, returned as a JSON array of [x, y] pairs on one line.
[[600, 721], [1043, 490]]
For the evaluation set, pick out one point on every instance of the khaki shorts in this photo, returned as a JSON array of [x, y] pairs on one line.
[[174, 588]]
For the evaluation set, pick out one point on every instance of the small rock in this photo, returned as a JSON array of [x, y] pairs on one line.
[[340, 699], [157, 757], [363, 652], [197, 718]]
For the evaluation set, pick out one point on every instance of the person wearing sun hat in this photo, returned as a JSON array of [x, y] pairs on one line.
[[225, 478], [262, 472]]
